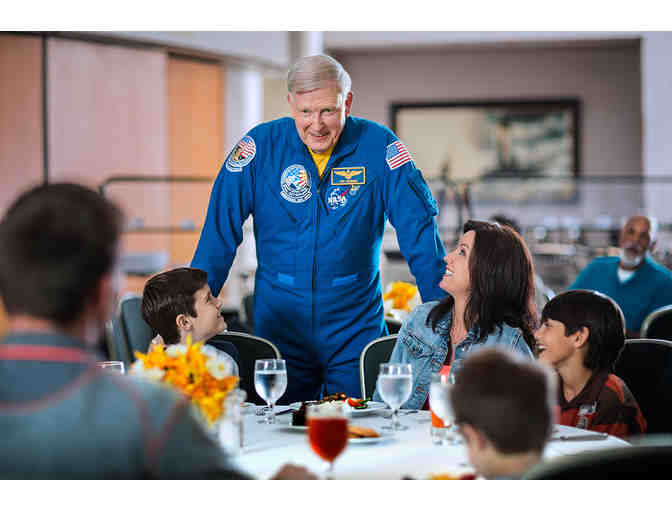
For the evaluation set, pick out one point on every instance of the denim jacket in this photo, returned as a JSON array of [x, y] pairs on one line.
[[426, 351]]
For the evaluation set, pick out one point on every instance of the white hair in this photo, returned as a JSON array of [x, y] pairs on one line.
[[314, 72]]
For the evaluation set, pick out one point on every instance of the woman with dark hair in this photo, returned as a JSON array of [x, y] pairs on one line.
[[490, 302]]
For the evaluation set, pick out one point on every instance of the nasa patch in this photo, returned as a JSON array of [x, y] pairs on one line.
[[242, 154], [295, 184], [338, 197]]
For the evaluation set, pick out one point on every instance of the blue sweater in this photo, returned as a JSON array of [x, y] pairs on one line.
[[648, 289]]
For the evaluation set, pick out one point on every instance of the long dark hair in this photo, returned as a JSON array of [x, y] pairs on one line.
[[501, 275]]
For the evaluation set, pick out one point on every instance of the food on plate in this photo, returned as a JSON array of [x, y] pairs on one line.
[[358, 403], [356, 432], [452, 476], [332, 397]]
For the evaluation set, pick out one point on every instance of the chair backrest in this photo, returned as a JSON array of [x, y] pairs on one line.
[[131, 331], [658, 324], [248, 310], [622, 463], [393, 325], [646, 367], [250, 348], [374, 353]]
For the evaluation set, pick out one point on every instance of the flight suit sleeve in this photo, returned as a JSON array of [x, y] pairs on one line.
[[411, 209], [231, 202]]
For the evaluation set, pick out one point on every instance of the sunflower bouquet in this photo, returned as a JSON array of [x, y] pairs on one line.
[[400, 299], [194, 369]]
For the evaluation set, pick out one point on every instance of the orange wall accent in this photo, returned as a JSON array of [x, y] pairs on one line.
[[21, 153], [195, 98]]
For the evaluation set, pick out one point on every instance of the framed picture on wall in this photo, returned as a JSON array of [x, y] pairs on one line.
[[521, 150]]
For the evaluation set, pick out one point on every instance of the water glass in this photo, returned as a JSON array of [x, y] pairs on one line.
[[270, 381], [230, 429], [439, 403], [116, 367], [395, 382]]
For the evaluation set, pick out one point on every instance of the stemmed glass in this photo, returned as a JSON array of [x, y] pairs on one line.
[[327, 431], [270, 381], [395, 382], [439, 402]]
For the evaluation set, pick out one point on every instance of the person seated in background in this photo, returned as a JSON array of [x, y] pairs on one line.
[[490, 302], [542, 293], [636, 282], [178, 304], [60, 415], [503, 405], [581, 336]]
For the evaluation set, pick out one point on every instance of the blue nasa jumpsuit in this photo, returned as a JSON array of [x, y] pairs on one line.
[[317, 292]]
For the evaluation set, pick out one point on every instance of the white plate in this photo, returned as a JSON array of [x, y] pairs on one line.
[[373, 407]]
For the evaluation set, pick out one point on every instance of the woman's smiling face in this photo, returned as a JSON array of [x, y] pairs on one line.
[[456, 280]]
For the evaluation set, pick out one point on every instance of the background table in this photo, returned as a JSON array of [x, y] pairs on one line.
[[407, 453]]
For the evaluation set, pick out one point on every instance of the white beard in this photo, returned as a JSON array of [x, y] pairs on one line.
[[630, 262]]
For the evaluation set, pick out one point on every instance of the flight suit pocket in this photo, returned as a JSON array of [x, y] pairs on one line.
[[344, 280], [419, 186]]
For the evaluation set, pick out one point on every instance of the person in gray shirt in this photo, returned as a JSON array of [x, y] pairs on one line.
[[61, 417]]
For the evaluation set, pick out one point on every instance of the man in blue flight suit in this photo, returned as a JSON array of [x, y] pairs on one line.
[[320, 187]]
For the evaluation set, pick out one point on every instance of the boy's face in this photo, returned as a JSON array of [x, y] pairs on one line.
[[208, 321], [553, 347]]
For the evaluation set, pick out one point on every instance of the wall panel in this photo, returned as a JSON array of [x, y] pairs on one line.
[[195, 93], [21, 156]]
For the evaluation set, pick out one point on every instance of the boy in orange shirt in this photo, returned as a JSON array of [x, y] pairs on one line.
[[581, 336]]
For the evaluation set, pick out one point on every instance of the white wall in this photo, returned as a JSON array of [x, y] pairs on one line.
[[657, 115]]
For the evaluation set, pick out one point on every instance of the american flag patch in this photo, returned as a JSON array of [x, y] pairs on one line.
[[396, 155]]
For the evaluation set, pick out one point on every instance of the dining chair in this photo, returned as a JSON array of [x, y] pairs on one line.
[[250, 348], [658, 324], [645, 365], [393, 325], [130, 329], [115, 347], [374, 353], [621, 463]]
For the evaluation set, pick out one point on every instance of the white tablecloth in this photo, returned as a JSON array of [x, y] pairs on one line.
[[407, 453]]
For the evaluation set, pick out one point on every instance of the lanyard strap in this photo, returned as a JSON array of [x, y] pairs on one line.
[[43, 353]]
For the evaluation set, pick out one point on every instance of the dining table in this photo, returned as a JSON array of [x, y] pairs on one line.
[[402, 454]]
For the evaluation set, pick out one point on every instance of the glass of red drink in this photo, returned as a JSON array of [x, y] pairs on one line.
[[327, 431]]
